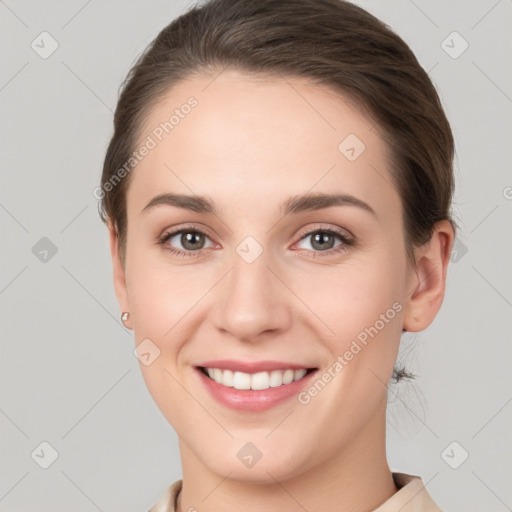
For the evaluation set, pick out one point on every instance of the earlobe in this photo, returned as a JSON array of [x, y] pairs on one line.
[[118, 272], [425, 297]]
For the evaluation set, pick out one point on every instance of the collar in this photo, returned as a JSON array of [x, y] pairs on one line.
[[411, 496]]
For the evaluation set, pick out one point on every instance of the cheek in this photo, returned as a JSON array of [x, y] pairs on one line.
[[173, 400], [351, 297], [358, 309], [362, 308], [162, 294]]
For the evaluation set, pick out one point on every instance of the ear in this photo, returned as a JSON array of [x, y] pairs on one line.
[[118, 272], [428, 279]]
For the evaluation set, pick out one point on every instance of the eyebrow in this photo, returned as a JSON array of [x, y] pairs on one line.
[[295, 204]]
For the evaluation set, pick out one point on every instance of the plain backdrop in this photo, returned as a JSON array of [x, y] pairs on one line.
[[68, 377]]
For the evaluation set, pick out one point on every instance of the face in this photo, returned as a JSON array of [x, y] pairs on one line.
[[251, 269]]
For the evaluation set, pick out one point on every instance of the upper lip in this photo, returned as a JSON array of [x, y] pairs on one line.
[[252, 366]]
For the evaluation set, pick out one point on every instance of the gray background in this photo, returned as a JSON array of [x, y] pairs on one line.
[[68, 375]]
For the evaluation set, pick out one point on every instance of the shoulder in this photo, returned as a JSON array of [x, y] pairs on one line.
[[167, 502], [412, 496]]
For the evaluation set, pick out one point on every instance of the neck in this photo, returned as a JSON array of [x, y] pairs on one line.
[[356, 479]]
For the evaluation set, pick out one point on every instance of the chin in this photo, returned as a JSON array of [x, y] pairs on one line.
[[268, 464]]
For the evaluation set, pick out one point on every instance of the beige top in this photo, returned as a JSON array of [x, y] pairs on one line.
[[411, 497]]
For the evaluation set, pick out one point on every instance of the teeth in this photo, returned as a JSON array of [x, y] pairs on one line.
[[276, 378], [227, 378], [256, 381], [240, 380], [288, 376], [259, 380]]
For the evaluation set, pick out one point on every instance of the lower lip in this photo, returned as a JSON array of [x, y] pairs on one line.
[[252, 400]]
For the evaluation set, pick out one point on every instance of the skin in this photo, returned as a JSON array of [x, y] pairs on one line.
[[250, 144]]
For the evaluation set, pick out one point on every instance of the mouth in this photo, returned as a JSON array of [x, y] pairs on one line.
[[253, 386], [257, 381]]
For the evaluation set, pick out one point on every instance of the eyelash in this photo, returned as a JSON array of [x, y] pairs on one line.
[[346, 241]]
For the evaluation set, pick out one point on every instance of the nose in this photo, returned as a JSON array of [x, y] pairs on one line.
[[253, 302]]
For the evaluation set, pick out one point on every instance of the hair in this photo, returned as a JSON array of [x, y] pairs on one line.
[[332, 43]]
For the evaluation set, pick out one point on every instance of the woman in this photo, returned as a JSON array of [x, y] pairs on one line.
[[277, 192]]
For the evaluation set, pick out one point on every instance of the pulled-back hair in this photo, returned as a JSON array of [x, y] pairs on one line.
[[329, 42]]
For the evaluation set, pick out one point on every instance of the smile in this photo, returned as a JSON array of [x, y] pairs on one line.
[[256, 381], [253, 386]]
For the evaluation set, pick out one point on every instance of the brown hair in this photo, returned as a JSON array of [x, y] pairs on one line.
[[331, 42]]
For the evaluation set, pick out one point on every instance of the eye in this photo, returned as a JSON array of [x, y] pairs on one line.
[[323, 240], [190, 239]]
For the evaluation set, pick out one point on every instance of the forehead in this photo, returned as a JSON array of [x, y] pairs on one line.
[[228, 132]]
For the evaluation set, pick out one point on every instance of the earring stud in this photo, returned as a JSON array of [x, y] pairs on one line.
[[125, 316]]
